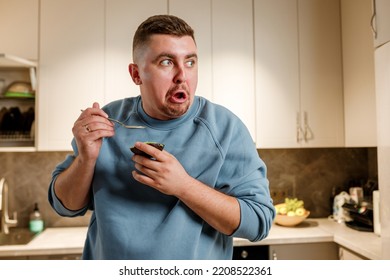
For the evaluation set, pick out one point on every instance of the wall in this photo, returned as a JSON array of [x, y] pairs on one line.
[[313, 174], [309, 174]]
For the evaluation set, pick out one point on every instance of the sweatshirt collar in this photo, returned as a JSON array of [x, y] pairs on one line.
[[168, 124]]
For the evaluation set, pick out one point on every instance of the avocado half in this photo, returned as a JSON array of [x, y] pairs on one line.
[[141, 153]]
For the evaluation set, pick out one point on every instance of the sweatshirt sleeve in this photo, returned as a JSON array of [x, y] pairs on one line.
[[54, 201], [244, 175]]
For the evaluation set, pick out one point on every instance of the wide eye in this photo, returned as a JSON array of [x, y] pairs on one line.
[[190, 63], [165, 62]]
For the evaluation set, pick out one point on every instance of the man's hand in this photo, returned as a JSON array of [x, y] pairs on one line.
[[165, 173], [89, 130]]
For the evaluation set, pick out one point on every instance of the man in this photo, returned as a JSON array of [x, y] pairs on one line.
[[187, 201]]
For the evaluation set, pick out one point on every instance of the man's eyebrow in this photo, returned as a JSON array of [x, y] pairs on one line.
[[169, 55], [192, 55]]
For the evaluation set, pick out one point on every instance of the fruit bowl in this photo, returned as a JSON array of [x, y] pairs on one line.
[[290, 221]]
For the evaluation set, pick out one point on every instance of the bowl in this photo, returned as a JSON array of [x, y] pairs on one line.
[[290, 221]]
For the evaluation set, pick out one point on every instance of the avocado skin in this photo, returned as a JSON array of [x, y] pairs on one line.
[[141, 153]]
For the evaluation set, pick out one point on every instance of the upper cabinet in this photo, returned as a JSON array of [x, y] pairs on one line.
[[278, 65], [122, 20], [299, 94], [85, 50], [277, 74], [19, 25], [19, 28], [71, 68], [17, 103], [233, 56], [358, 74]]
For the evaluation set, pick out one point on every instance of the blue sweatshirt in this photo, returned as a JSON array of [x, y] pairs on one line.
[[134, 221]]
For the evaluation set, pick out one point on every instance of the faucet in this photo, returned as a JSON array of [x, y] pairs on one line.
[[5, 222]]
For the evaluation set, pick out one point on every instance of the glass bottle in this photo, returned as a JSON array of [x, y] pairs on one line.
[[36, 222]]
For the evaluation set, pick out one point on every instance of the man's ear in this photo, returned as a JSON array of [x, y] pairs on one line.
[[134, 73]]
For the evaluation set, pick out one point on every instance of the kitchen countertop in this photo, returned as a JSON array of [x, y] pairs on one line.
[[366, 244], [70, 240]]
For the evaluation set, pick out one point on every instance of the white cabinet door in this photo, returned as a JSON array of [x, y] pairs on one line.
[[358, 74], [232, 58], [277, 73], [382, 72], [299, 96], [321, 73], [71, 71], [122, 20], [199, 18], [19, 28]]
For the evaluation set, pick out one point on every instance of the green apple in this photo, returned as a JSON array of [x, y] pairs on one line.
[[283, 210], [300, 211], [290, 213]]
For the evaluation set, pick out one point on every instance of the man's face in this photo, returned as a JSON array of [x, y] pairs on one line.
[[167, 73]]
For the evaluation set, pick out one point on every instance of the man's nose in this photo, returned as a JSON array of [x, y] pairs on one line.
[[180, 75]]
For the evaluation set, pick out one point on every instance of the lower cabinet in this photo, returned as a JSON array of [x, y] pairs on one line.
[[297, 251], [44, 257], [304, 251], [346, 254], [56, 257]]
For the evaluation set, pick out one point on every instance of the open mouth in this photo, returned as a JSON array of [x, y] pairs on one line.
[[178, 97]]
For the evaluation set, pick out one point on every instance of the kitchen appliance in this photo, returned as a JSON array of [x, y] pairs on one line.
[[361, 216], [251, 252], [340, 215]]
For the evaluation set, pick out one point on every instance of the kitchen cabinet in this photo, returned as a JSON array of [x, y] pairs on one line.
[[382, 74], [19, 28], [304, 251], [17, 103], [45, 257], [71, 67], [358, 74], [232, 58], [75, 78], [345, 254], [298, 70], [122, 20], [85, 52], [18, 55]]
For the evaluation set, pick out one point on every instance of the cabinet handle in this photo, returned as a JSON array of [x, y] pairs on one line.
[[373, 28], [274, 255], [300, 132], [308, 133]]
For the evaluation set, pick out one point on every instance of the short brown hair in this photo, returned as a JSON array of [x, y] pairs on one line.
[[160, 24]]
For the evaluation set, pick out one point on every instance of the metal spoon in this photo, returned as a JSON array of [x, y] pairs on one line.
[[122, 124], [125, 125]]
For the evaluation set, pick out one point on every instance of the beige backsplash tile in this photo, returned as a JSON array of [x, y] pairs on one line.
[[309, 174]]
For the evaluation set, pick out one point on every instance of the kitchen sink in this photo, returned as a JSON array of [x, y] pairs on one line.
[[16, 236]]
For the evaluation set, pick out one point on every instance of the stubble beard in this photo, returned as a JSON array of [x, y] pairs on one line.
[[174, 111]]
